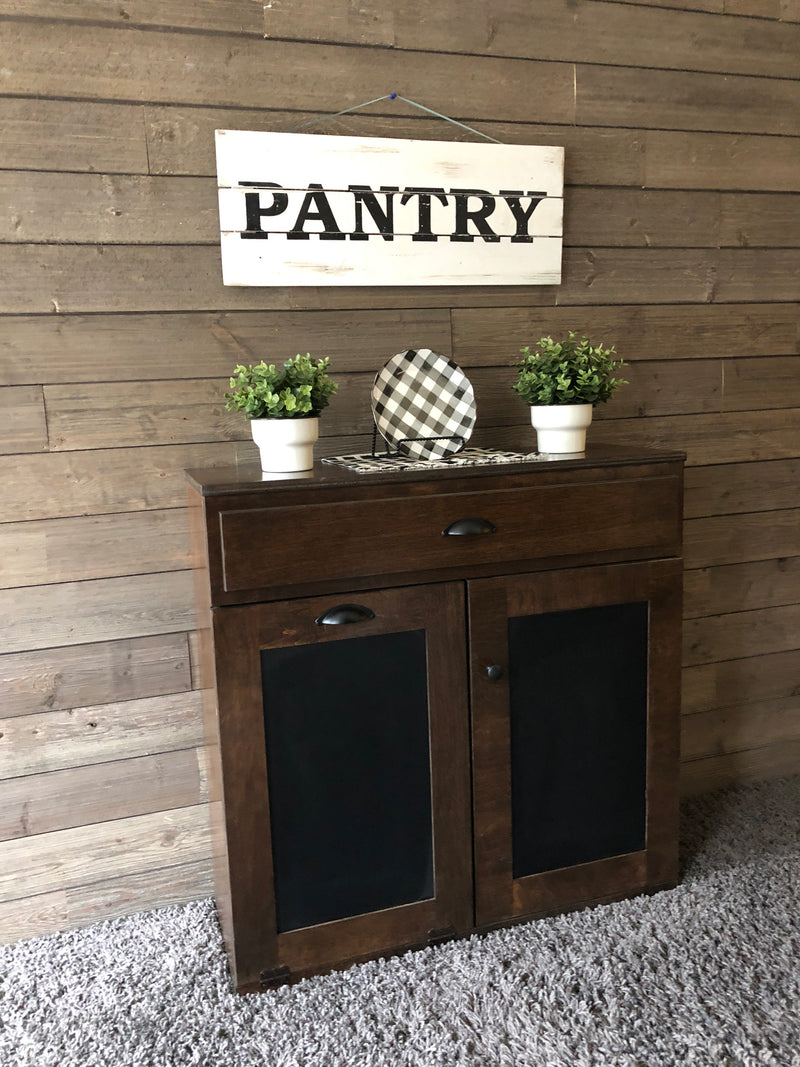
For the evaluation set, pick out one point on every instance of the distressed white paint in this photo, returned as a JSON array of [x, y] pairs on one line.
[[470, 237]]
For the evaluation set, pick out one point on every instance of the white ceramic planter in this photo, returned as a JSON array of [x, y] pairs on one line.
[[285, 445], [561, 427]]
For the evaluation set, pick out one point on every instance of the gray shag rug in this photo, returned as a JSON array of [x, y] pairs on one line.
[[704, 975]]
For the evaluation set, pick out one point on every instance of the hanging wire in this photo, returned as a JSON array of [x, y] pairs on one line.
[[395, 96]]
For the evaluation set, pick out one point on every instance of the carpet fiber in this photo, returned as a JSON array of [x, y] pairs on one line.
[[705, 975]]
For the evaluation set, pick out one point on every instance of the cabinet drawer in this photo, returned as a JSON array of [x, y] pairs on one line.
[[282, 546]]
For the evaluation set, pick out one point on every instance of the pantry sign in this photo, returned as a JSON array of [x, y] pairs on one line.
[[309, 209]]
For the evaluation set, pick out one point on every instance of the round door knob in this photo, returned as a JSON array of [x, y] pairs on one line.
[[494, 671]]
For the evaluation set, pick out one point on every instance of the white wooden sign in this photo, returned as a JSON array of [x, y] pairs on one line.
[[308, 209]]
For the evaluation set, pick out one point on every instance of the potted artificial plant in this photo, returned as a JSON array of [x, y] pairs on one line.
[[283, 405], [562, 381]]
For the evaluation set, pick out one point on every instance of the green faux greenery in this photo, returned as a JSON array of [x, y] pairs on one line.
[[299, 389], [567, 372]]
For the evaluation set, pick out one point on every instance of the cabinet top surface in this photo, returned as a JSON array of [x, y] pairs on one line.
[[249, 478]]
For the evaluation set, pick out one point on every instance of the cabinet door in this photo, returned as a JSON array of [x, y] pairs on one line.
[[345, 758], [576, 706]]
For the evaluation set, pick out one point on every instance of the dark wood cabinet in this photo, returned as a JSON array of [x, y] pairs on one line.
[[438, 701]]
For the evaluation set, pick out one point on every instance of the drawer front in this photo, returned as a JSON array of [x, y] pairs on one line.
[[282, 546]]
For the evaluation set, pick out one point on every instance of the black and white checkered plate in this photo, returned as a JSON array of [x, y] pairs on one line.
[[419, 396]]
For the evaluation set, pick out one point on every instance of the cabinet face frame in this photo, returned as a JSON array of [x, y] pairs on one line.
[[240, 634], [499, 897]]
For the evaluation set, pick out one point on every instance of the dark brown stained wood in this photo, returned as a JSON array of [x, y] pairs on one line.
[[106, 348], [741, 634], [210, 16], [741, 538], [786, 10], [639, 332], [181, 140], [751, 680], [87, 612], [591, 32], [405, 535], [687, 5], [75, 796], [108, 209], [700, 160], [102, 546], [730, 488], [751, 384], [89, 278], [677, 100], [141, 66], [47, 913], [499, 895], [54, 135], [740, 728], [55, 740], [742, 587], [23, 426], [81, 855], [739, 768], [725, 438], [78, 676], [240, 634], [104, 481]]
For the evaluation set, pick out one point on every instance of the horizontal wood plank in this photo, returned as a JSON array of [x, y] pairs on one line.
[[701, 160], [728, 488], [48, 913], [674, 332], [739, 768], [741, 587], [752, 384], [670, 100], [58, 135], [102, 673], [105, 481], [136, 785], [104, 546], [210, 16], [591, 33], [23, 426], [48, 279], [105, 609], [78, 737], [165, 67], [740, 728], [65, 859], [740, 538], [773, 676], [129, 347], [741, 634], [706, 439]]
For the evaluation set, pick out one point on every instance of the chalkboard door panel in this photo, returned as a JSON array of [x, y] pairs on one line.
[[574, 727], [344, 746]]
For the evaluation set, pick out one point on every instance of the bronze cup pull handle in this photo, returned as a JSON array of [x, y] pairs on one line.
[[469, 527], [345, 613]]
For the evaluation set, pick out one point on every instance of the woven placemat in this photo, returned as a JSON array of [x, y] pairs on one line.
[[366, 463]]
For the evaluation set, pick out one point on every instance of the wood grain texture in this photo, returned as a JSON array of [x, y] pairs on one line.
[[55, 740], [591, 32], [67, 859], [46, 551], [741, 634], [700, 160], [739, 538], [741, 587], [77, 676], [105, 609], [739, 768], [23, 427], [221, 16], [48, 913], [754, 679], [740, 728], [730, 488], [136, 785]]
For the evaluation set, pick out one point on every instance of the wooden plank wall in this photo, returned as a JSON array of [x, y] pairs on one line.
[[681, 122]]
